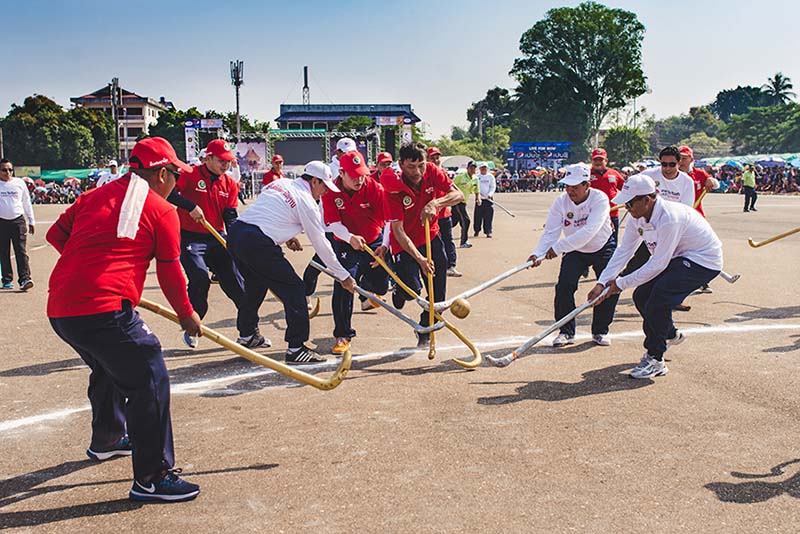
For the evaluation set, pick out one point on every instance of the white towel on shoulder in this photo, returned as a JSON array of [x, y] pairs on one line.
[[132, 207]]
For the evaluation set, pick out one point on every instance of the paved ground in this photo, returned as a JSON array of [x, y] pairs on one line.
[[560, 441]]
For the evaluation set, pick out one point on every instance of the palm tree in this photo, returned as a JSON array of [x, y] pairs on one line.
[[778, 89]]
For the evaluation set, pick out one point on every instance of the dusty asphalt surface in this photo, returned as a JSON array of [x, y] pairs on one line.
[[561, 441]]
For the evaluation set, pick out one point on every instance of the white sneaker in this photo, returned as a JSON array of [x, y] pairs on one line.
[[190, 341], [677, 340], [601, 339], [452, 271], [649, 367], [562, 340]]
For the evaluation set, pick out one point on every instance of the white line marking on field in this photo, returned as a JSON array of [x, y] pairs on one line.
[[194, 387]]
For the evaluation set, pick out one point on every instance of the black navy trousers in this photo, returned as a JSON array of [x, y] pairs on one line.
[[201, 253], [128, 386], [408, 271], [264, 267]]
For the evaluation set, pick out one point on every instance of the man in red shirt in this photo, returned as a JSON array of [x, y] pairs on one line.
[[415, 195], [608, 181], [207, 192], [107, 239], [355, 215], [276, 172], [702, 181], [384, 161]]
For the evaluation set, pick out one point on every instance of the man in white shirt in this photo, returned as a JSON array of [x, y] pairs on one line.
[[110, 175], [582, 214], [484, 206], [685, 254], [283, 209], [671, 182], [15, 200]]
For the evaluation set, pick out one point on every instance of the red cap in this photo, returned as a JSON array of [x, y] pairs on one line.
[[432, 151], [353, 164], [599, 153], [384, 157], [218, 148], [155, 152], [686, 151], [277, 158]]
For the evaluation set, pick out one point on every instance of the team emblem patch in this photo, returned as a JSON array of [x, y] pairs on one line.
[[641, 232], [407, 201], [570, 215], [201, 184], [339, 203], [658, 184], [357, 160]]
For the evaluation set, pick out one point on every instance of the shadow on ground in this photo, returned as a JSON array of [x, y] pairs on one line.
[[29, 485], [596, 382], [758, 491], [784, 312]]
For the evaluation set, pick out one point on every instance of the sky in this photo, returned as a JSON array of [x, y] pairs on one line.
[[439, 56]]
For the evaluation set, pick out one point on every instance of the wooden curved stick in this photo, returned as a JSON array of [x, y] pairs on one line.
[[244, 352], [699, 199], [314, 311], [429, 258], [477, 358], [617, 207], [771, 239]]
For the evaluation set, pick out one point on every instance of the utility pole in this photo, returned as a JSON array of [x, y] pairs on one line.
[[306, 90], [237, 80], [2, 152], [115, 103]]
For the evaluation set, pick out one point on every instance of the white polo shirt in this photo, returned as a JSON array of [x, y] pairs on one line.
[[15, 200], [586, 226], [486, 185], [674, 230], [107, 177], [679, 189], [284, 209]]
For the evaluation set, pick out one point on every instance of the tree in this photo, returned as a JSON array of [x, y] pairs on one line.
[[594, 53], [492, 110], [737, 101], [171, 126], [765, 130], [705, 146], [778, 89], [625, 145], [41, 132], [355, 123], [671, 130], [101, 128], [457, 133]]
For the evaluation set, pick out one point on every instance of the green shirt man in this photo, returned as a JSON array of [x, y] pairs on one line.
[[467, 182], [749, 178]]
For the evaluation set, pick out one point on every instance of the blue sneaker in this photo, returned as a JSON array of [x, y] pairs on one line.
[[168, 487], [121, 447], [8, 285]]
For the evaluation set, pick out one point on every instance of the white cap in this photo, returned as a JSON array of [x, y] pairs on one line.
[[346, 144], [203, 153], [577, 173], [483, 164], [636, 185], [113, 163], [317, 169]]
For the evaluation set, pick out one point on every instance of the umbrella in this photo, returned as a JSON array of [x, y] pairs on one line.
[[735, 164], [71, 180], [771, 161], [39, 182], [27, 179]]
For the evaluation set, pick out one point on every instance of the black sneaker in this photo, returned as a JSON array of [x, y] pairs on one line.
[[303, 356], [121, 447], [254, 341], [169, 487], [27, 283], [423, 340], [397, 299]]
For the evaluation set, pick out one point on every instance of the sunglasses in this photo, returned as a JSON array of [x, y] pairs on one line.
[[6, 170], [629, 203], [669, 163]]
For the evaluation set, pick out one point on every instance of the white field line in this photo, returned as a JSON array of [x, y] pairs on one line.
[[194, 387]]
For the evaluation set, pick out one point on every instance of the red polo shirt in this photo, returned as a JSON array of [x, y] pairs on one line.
[[213, 195], [361, 214], [97, 270], [270, 176], [610, 182], [699, 177], [404, 203]]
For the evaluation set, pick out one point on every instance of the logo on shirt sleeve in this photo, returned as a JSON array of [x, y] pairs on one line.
[[407, 201], [201, 184], [339, 202]]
